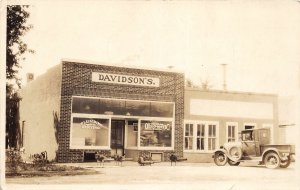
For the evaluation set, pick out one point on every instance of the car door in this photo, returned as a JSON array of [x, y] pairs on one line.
[[248, 144]]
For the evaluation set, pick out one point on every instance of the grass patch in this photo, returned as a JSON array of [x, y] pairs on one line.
[[46, 170]]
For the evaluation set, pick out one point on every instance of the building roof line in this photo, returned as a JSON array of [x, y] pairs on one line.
[[122, 65]]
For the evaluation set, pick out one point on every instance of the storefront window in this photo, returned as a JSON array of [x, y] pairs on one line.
[[156, 133], [89, 132]]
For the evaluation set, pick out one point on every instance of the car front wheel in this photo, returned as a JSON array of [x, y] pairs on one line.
[[220, 158], [286, 163], [272, 160]]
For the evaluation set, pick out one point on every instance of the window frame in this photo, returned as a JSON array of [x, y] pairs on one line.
[[206, 124], [90, 116], [235, 124], [191, 125]]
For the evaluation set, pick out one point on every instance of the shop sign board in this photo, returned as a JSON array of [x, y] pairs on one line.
[[125, 79]]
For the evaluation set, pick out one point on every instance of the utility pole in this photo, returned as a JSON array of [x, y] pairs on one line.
[[224, 76]]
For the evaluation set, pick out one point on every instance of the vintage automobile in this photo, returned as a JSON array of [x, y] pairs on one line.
[[255, 146]]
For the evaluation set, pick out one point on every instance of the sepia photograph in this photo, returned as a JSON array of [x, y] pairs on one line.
[[141, 94]]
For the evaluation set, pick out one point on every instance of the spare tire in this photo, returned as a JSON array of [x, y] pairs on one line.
[[235, 153]]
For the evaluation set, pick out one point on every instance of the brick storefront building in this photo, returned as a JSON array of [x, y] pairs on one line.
[[77, 108]]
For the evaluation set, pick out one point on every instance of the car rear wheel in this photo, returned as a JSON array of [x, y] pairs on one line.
[[233, 163], [272, 160], [286, 163], [220, 158]]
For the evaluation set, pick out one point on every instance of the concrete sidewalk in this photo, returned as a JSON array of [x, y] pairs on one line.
[[132, 164]]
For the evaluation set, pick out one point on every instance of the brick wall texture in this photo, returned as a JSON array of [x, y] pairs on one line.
[[76, 80]]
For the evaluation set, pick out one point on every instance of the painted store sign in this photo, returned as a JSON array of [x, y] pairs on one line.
[[91, 124], [157, 126], [125, 79]]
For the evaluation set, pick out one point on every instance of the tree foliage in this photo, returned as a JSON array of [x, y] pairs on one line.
[[17, 16], [17, 27]]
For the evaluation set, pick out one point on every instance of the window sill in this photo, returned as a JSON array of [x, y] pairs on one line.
[[199, 152], [90, 147]]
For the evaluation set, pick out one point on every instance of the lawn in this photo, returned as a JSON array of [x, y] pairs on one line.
[[44, 170]]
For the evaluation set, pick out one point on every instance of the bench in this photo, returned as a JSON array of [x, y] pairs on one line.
[[174, 158], [144, 162]]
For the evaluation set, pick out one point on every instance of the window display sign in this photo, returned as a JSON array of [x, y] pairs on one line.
[[91, 124], [157, 126], [125, 79]]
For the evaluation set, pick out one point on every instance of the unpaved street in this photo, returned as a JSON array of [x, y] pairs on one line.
[[162, 175]]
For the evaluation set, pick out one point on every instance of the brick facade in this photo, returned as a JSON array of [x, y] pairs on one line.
[[76, 81]]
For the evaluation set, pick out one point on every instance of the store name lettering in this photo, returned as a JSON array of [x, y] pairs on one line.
[[91, 124], [125, 79], [157, 126]]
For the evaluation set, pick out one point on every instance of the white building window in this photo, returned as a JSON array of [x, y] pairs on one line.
[[232, 131], [188, 137], [201, 136], [212, 136]]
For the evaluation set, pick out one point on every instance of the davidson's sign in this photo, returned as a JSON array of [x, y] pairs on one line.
[[125, 79]]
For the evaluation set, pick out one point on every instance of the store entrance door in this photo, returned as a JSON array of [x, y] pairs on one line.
[[117, 137]]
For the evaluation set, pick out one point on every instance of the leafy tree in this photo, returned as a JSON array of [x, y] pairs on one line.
[[17, 27]]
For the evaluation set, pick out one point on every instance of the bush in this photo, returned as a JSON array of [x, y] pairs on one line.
[[13, 160]]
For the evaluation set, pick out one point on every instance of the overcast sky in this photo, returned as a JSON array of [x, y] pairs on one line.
[[259, 40]]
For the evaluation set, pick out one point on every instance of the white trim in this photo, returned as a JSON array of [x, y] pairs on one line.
[[132, 148], [271, 126], [125, 135], [139, 134], [236, 130]]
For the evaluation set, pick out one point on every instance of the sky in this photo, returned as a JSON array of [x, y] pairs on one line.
[[258, 40]]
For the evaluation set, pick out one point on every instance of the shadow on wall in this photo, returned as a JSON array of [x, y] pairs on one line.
[[56, 125]]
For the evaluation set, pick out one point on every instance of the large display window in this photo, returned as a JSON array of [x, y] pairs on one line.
[[146, 124], [156, 133], [89, 132]]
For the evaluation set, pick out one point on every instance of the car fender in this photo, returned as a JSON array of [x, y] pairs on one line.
[[274, 150], [220, 150]]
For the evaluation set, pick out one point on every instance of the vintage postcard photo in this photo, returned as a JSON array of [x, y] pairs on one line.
[[150, 94]]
